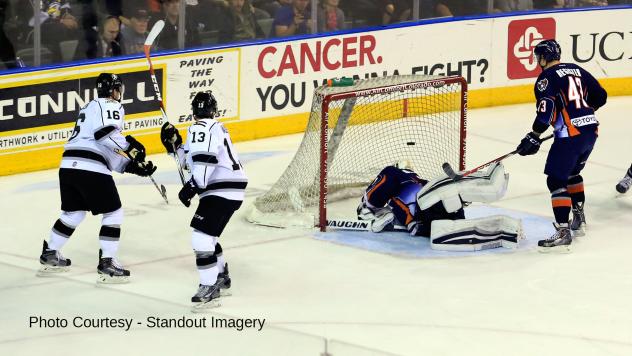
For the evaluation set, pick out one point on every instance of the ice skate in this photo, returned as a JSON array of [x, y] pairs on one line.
[[624, 184], [110, 271], [52, 262], [224, 288], [559, 242], [207, 297], [578, 224]]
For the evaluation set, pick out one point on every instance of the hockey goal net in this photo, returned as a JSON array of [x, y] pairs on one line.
[[355, 131]]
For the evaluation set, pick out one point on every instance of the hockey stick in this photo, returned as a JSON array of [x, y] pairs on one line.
[[455, 176], [358, 225], [161, 189], [151, 37]]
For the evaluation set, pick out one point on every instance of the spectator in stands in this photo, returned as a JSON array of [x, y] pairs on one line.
[[590, 3], [260, 13], [511, 5], [394, 11], [128, 8], [548, 4], [427, 8], [168, 38], [292, 19], [367, 12], [196, 18], [136, 32], [272, 6], [210, 11], [7, 52], [155, 6], [330, 17], [460, 8], [107, 42], [238, 23], [57, 24], [113, 7]]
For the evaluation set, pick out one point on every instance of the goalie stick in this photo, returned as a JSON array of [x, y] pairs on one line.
[[151, 37], [456, 176], [358, 225]]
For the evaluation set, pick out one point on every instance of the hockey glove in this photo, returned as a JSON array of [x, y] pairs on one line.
[[140, 168], [136, 150], [529, 145], [170, 137], [187, 192]]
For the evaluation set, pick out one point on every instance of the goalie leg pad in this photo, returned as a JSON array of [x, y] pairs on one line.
[[487, 186], [475, 234], [435, 212]]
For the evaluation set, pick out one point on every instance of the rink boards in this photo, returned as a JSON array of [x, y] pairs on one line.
[[266, 89]]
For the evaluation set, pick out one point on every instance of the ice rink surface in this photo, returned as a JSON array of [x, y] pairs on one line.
[[386, 294]]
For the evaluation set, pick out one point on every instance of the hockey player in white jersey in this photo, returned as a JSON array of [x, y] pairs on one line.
[[218, 178], [95, 149]]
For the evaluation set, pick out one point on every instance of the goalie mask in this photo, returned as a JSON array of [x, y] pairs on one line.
[[204, 105], [405, 164], [107, 83]]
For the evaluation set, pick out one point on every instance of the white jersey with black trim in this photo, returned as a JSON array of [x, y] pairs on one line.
[[96, 144], [213, 161]]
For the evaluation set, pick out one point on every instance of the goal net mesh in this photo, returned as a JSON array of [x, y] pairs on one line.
[[370, 125]]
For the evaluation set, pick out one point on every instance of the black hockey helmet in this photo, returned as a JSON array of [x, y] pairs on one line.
[[549, 50], [106, 83], [204, 105]]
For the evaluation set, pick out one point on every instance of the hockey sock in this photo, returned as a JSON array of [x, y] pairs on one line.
[[110, 232], [109, 240], [560, 199], [207, 267], [205, 259], [221, 261], [59, 235], [575, 188], [561, 206], [64, 227]]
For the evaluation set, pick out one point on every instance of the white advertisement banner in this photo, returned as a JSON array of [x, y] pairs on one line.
[[488, 53], [276, 80]]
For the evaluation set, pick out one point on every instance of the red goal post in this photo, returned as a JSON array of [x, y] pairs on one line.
[[355, 131]]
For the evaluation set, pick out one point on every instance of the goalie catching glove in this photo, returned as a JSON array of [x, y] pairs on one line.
[[143, 169], [529, 145], [135, 151], [170, 137], [187, 192]]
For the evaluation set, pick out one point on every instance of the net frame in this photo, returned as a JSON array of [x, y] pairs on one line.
[[328, 141], [324, 132]]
